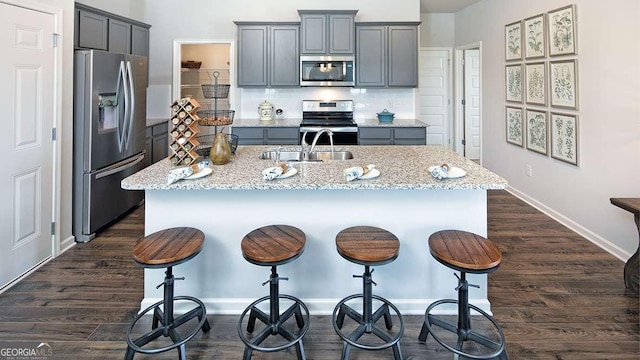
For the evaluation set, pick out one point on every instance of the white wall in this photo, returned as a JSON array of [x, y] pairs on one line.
[[437, 30], [609, 109]]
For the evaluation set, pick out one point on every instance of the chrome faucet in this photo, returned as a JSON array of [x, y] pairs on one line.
[[306, 149]]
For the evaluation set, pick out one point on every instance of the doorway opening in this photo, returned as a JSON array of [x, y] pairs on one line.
[[468, 118], [204, 62]]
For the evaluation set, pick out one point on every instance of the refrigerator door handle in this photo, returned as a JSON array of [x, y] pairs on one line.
[[132, 107], [127, 107], [116, 168]]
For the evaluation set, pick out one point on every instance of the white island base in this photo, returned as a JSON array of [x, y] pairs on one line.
[[227, 283]]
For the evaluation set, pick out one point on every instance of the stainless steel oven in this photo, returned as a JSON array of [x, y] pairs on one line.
[[327, 71], [335, 115]]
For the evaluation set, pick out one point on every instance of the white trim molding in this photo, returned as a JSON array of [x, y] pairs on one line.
[[598, 240]]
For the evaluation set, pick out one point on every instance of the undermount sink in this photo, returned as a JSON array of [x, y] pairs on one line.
[[323, 155]]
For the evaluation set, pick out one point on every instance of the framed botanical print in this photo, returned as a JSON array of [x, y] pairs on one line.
[[562, 31], [564, 137], [536, 122], [535, 83], [514, 83], [564, 84], [534, 37], [514, 126], [513, 41]]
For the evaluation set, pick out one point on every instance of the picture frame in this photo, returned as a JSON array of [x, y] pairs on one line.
[[513, 41], [535, 83], [534, 36], [514, 121], [562, 30], [563, 84], [564, 137], [537, 131], [513, 83]]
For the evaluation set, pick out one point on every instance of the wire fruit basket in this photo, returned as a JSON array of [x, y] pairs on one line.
[[216, 117], [206, 141], [215, 91]]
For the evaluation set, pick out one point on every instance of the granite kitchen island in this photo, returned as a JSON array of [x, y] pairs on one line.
[[405, 199]]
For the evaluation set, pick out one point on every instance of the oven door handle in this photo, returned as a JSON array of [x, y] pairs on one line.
[[335, 129]]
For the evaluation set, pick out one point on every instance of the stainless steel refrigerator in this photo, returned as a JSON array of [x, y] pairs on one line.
[[110, 91]]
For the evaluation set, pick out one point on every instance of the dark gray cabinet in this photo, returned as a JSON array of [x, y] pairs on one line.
[[157, 142], [267, 135], [268, 54], [386, 55], [139, 40], [119, 36], [101, 30], [392, 135], [92, 30], [327, 32]]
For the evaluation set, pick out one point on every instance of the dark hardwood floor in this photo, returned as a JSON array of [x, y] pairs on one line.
[[556, 295]]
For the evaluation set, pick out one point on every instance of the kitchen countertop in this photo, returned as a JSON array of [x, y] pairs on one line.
[[156, 121], [294, 122], [401, 167]]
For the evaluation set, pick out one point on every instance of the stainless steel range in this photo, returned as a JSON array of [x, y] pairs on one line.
[[335, 115]]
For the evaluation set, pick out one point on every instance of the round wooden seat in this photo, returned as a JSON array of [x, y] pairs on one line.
[[367, 245], [464, 251], [168, 247], [273, 245]]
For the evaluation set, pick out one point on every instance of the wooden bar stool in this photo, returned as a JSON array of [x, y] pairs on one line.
[[468, 253], [274, 245], [165, 249], [368, 246]]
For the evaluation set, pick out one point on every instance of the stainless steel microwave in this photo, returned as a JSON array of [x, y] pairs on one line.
[[327, 71]]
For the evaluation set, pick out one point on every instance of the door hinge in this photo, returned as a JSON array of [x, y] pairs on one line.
[[53, 228], [463, 102], [54, 134], [464, 142], [55, 39]]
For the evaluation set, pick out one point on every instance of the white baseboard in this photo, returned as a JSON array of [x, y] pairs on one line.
[[598, 240], [67, 244]]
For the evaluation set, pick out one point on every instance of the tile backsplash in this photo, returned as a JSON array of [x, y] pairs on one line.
[[367, 102]]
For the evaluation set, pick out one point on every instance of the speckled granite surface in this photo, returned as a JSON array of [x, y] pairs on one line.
[[272, 123], [296, 122], [156, 121], [401, 167], [394, 123]]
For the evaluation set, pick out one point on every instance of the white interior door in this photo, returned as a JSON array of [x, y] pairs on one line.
[[472, 104], [434, 95], [26, 99]]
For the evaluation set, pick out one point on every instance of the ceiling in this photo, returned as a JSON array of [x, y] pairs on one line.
[[444, 6]]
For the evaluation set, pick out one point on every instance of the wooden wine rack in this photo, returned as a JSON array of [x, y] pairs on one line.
[[183, 131]]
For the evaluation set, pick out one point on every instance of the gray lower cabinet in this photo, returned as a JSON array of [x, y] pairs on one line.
[[157, 142], [386, 55], [392, 136], [327, 33], [268, 54], [101, 30], [267, 135]]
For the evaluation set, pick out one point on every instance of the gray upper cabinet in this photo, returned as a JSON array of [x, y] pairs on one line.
[[92, 30], [268, 54], [386, 55], [284, 54], [139, 40], [119, 36], [371, 56], [101, 30], [403, 56], [327, 32]]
